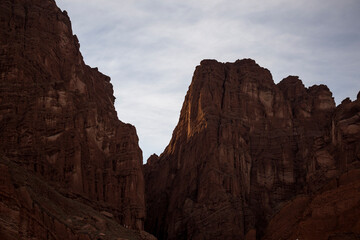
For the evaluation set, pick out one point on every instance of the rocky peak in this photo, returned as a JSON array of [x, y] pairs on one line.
[[304, 101], [292, 88], [242, 147]]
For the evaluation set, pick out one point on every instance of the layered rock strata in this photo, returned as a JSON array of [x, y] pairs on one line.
[[330, 214], [57, 115], [243, 147], [30, 208], [333, 211]]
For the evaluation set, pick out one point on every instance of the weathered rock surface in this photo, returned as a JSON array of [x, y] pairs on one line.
[[32, 209], [333, 212], [328, 215], [57, 116], [243, 147]]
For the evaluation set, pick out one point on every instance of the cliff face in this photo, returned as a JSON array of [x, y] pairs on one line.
[[331, 214], [333, 211], [242, 148], [30, 208], [244, 154], [57, 116]]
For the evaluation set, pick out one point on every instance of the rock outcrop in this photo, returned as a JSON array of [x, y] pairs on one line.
[[333, 211], [30, 208], [331, 214], [243, 147], [57, 115]]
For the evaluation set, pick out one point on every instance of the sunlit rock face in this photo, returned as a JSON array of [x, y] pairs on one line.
[[57, 115], [243, 147]]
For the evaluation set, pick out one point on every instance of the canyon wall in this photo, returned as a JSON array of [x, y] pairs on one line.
[[243, 147], [57, 115]]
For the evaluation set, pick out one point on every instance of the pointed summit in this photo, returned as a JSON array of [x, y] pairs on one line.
[[243, 147]]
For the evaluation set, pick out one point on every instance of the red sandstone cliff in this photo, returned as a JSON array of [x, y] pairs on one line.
[[57, 116], [332, 212], [243, 147], [30, 208], [249, 158]]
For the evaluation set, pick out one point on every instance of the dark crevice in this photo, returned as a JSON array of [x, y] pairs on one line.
[[222, 103], [26, 17], [25, 25], [12, 12], [223, 87]]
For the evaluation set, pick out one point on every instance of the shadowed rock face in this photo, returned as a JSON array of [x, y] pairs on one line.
[[332, 214], [30, 208], [243, 147], [333, 211], [57, 116]]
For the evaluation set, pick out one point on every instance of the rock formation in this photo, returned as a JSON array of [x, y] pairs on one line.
[[30, 208], [249, 159], [331, 214], [333, 211], [243, 147], [57, 119]]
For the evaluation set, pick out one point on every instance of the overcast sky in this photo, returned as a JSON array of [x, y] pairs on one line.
[[150, 49]]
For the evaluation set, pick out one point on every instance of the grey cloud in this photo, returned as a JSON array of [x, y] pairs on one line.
[[150, 48]]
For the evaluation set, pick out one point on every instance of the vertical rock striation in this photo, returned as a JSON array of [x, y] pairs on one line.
[[57, 115], [30, 208], [242, 148], [333, 211]]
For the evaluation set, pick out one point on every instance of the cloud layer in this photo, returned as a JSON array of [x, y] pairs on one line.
[[150, 48]]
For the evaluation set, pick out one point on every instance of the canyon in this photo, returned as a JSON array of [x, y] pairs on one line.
[[248, 159]]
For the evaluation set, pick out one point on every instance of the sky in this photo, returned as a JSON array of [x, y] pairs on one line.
[[150, 49]]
